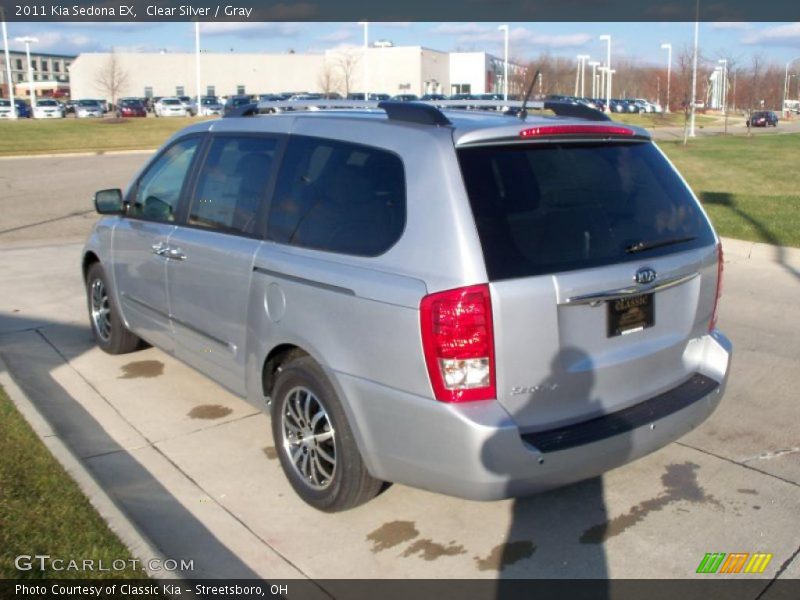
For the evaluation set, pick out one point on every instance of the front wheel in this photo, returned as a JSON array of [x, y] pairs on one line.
[[315, 444], [108, 329]]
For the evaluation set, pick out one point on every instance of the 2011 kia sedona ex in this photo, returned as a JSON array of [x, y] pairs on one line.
[[464, 301]]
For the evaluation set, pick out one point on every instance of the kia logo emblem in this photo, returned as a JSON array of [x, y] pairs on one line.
[[645, 275]]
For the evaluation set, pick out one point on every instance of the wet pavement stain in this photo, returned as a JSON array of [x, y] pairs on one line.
[[747, 491], [756, 507], [271, 453], [680, 482], [504, 555], [391, 534], [209, 411], [430, 550], [142, 368]]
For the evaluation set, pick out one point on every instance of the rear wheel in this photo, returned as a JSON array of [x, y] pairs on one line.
[[314, 441], [108, 329]]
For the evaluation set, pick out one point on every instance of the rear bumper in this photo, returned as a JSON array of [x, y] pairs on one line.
[[476, 451]]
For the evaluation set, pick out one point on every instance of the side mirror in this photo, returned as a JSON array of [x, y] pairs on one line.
[[109, 202]]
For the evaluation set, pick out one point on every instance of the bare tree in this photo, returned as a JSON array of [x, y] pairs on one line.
[[346, 62], [112, 78], [327, 80]]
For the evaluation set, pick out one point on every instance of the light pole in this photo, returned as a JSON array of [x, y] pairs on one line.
[[694, 67], [607, 38], [786, 84], [197, 64], [504, 29], [594, 64], [366, 47], [583, 58], [8, 67], [668, 48], [27, 40]]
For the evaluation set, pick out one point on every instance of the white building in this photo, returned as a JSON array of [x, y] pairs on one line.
[[392, 70]]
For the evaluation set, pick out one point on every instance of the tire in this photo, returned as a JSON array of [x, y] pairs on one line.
[[108, 330], [327, 471]]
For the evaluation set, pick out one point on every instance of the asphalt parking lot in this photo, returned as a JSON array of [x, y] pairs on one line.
[[194, 467]]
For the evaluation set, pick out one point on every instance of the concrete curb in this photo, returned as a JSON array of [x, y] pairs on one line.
[[130, 535], [74, 154]]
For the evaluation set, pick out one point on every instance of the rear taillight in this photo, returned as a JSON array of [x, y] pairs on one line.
[[713, 322], [458, 342], [545, 130]]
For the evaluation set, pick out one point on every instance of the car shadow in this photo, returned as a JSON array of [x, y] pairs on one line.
[[725, 199], [557, 533], [31, 359]]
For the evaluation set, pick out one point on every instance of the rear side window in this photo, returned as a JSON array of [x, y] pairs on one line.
[[338, 197], [233, 183], [560, 206]]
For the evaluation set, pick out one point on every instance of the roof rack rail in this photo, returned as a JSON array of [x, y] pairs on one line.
[[414, 112], [422, 112]]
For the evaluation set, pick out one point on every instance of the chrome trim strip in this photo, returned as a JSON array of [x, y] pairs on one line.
[[600, 297], [301, 280]]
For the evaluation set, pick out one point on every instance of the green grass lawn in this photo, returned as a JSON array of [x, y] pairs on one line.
[[42, 510], [656, 121], [29, 136], [750, 186]]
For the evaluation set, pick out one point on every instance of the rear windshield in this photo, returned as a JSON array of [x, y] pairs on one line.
[[560, 206]]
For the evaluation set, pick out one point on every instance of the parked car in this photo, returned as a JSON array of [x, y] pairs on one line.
[[235, 102], [131, 107], [170, 107], [406, 97], [190, 104], [88, 108], [210, 106], [46, 108], [762, 118], [5, 109], [429, 97], [471, 304]]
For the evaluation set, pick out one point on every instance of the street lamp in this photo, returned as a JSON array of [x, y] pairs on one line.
[[504, 29], [668, 48], [786, 83], [366, 46], [197, 64], [27, 40], [694, 67], [594, 64], [607, 38], [583, 58], [8, 66]]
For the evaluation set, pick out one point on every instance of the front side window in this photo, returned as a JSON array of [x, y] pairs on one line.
[[338, 197], [159, 189], [233, 183]]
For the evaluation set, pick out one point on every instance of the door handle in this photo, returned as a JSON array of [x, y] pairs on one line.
[[174, 253], [159, 249]]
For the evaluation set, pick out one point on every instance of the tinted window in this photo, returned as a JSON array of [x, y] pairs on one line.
[[550, 207], [338, 197], [159, 189], [234, 179]]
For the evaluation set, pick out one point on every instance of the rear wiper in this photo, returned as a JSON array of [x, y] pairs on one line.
[[642, 246]]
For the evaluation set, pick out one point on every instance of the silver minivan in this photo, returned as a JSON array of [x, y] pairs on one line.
[[461, 301]]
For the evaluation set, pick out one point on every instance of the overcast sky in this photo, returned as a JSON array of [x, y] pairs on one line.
[[777, 42]]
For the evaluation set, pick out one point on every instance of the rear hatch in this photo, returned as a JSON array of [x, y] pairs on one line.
[[602, 269]]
